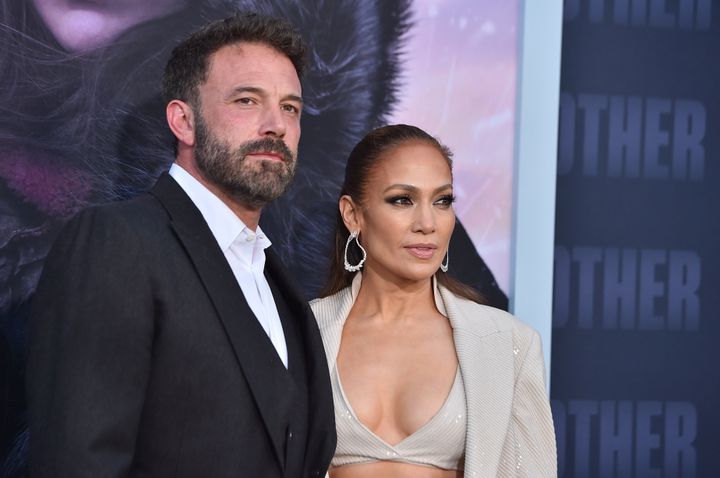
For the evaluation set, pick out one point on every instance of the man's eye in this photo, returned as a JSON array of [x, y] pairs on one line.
[[291, 109], [245, 101]]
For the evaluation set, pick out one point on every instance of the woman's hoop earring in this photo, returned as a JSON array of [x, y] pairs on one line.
[[349, 267], [446, 263]]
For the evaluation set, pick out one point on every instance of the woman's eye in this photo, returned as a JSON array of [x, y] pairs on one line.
[[445, 201], [400, 200]]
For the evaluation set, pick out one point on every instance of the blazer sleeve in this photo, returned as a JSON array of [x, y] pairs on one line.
[[530, 448], [90, 338]]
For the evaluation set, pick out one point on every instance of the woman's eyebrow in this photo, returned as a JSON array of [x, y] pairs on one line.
[[411, 188]]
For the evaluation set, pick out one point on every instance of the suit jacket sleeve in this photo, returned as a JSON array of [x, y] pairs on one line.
[[530, 444], [91, 333]]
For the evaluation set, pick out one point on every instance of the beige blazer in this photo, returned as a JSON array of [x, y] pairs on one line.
[[509, 425]]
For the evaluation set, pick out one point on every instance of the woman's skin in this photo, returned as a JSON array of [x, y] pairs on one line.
[[397, 358], [81, 25]]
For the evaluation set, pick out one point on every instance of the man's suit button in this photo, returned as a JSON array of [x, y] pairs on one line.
[[290, 434]]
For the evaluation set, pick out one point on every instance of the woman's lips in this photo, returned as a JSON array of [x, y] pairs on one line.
[[422, 251]]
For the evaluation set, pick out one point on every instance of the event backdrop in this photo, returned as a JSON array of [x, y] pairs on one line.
[[82, 123], [635, 376], [459, 82]]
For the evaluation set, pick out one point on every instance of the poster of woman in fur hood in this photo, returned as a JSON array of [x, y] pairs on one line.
[[83, 123]]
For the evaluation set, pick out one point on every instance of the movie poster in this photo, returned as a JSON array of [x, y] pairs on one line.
[[83, 123]]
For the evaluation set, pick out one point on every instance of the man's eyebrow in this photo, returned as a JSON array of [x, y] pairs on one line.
[[411, 188], [246, 89], [261, 92], [295, 98]]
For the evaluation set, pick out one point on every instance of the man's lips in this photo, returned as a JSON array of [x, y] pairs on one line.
[[422, 251], [267, 155]]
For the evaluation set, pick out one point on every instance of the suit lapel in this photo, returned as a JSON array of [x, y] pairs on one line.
[[253, 349], [484, 349], [320, 444]]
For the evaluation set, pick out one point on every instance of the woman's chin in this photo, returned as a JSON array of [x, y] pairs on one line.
[[417, 272]]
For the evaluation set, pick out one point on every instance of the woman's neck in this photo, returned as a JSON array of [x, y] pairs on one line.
[[388, 299]]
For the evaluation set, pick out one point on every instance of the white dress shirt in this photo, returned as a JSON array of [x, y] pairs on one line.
[[244, 250]]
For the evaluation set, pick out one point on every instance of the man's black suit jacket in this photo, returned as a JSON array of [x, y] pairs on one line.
[[146, 360]]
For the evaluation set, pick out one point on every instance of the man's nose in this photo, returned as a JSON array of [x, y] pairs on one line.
[[273, 123]]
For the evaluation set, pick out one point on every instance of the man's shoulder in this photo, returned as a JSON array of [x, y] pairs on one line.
[[143, 208], [108, 225]]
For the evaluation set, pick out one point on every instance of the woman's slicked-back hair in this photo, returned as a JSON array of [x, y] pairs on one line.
[[189, 62], [363, 159]]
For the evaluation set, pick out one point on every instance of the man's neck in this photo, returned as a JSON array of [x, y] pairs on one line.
[[249, 215]]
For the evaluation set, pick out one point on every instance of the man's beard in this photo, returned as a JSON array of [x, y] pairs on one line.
[[253, 183]]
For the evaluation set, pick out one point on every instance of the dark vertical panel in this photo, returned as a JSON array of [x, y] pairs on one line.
[[636, 385]]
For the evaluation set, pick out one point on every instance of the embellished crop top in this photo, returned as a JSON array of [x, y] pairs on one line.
[[439, 443]]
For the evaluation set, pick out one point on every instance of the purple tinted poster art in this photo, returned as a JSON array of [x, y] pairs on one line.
[[83, 123], [458, 80]]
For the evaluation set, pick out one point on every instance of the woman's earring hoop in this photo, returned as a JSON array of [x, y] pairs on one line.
[[349, 267], [446, 263]]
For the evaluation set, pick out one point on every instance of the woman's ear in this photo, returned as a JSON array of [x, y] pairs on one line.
[[350, 213], [181, 121]]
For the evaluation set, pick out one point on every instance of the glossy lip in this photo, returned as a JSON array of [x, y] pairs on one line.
[[267, 155], [422, 251]]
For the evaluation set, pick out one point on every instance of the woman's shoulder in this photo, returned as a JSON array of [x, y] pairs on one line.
[[320, 304], [470, 314], [329, 310]]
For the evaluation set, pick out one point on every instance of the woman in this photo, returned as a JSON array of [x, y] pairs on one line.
[[426, 381]]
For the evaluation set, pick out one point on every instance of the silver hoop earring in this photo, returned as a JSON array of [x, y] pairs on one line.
[[349, 267], [446, 263]]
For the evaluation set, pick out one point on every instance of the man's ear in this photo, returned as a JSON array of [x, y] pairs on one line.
[[181, 120], [350, 213]]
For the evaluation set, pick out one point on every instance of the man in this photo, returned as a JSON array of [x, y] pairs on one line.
[[165, 338]]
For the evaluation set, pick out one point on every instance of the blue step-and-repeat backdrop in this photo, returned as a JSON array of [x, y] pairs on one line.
[[635, 368]]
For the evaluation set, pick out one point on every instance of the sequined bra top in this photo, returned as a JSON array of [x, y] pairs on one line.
[[439, 443]]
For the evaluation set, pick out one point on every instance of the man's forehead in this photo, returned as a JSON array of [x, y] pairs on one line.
[[249, 52], [252, 60]]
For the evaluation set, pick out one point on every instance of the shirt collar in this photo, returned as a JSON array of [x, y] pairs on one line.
[[225, 226]]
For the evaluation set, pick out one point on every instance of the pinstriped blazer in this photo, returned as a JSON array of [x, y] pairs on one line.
[[509, 425]]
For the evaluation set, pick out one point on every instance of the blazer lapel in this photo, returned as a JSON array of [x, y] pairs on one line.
[[321, 438], [484, 349], [332, 317], [246, 336]]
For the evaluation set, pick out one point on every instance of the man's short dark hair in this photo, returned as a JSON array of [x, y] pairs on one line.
[[189, 62]]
